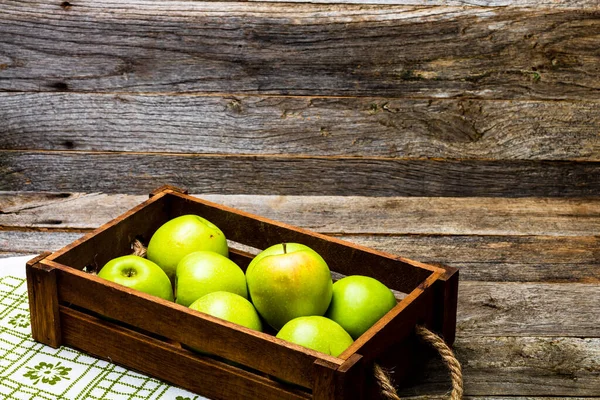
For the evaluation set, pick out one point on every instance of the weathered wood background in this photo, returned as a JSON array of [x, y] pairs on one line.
[[457, 132]]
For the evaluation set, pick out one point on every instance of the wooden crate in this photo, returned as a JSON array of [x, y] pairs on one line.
[[146, 333]]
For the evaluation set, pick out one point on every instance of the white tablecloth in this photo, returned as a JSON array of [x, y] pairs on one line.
[[30, 370]]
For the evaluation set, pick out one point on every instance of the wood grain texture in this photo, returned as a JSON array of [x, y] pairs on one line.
[[333, 214], [256, 350], [285, 175], [344, 257], [228, 340], [446, 294], [554, 4], [42, 293], [351, 382], [479, 258], [214, 336], [465, 99], [115, 238], [21, 243], [500, 258], [301, 49], [515, 363], [367, 127], [443, 397], [324, 386], [517, 366], [513, 309], [489, 239], [344, 382], [528, 309], [176, 365], [14, 254]]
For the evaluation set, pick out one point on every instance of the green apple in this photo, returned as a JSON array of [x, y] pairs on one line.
[[138, 273], [317, 333], [181, 236], [203, 272], [358, 302], [230, 307], [287, 281]]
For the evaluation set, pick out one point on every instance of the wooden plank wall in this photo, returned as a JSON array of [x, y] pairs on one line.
[[300, 98], [455, 132]]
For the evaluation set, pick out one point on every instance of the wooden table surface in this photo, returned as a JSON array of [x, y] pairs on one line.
[[528, 313], [457, 132]]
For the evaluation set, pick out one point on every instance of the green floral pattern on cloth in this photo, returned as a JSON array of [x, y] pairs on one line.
[[31, 370], [20, 321], [47, 373]]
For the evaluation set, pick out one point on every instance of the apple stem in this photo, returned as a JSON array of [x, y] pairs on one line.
[[284, 248]]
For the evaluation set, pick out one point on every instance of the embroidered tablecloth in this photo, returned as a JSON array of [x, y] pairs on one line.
[[30, 370]]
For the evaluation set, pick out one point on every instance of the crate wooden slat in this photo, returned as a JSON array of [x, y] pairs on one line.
[[173, 364], [76, 304]]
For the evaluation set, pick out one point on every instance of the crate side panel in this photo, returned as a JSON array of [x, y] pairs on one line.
[[402, 361], [43, 303], [339, 382], [343, 257], [446, 303], [114, 239], [324, 387], [167, 362], [256, 350], [350, 379]]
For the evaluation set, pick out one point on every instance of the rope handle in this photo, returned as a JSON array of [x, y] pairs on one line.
[[385, 381], [138, 248]]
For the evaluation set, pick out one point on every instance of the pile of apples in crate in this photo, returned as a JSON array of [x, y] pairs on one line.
[[287, 286]]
